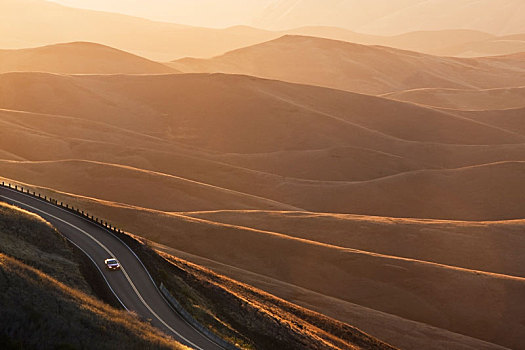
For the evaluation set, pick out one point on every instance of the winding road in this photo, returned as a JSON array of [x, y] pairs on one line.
[[132, 285]]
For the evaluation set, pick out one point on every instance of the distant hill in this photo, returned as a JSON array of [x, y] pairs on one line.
[[397, 16], [432, 42], [202, 141], [233, 113], [358, 68], [508, 119], [491, 46], [384, 17], [78, 58], [163, 41], [496, 17], [49, 23], [451, 42], [477, 100], [148, 151]]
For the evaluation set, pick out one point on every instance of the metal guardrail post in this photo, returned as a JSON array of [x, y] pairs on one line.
[[162, 288], [191, 320], [61, 204]]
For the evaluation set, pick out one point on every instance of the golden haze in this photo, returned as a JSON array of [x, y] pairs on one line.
[[357, 164]]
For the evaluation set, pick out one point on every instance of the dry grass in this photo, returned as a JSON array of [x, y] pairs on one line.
[[245, 315], [35, 242], [414, 291], [49, 296], [47, 305], [371, 70]]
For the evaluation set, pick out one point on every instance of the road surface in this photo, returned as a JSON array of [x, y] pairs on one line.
[[132, 285]]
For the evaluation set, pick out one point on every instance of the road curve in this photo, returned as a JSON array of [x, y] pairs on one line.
[[132, 285]]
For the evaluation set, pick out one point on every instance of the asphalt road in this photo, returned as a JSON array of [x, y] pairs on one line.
[[132, 284]]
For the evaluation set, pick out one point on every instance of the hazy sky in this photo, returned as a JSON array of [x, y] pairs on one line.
[[217, 13], [384, 17]]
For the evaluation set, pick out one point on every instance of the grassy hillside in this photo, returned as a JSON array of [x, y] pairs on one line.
[[250, 177], [36, 243], [205, 145], [78, 58], [467, 100], [476, 193], [40, 274], [279, 252], [508, 119], [360, 68], [45, 300], [246, 315]]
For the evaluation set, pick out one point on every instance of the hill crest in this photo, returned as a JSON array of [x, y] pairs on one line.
[[78, 57]]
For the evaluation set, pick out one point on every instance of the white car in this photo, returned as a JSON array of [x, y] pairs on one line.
[[112, 264]]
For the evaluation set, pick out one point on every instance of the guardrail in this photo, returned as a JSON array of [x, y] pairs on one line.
[[189, 318], [65, 206], [114, 230]]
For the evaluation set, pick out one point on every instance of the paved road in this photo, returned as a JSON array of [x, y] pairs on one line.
[[132, 284]]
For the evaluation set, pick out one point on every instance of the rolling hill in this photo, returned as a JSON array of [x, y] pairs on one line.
[[217, 127], [411, 288], [155, 40], [504, 17], [493, 46], [485, 192], [397, 16], [473, 100], [328, 179], [385, 17], [178, 110], [446, 42], [508, 119], [40, 271], [78, 58], [251, 177], [45, 299], [167, 192], [165, 41], [359, 68]]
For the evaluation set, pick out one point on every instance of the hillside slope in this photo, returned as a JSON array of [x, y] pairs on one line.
[[45, 300], [114, 145], [412, 289], [167, 41], [508, 119], [78, 58], [493, 46], [231, 113], [487, 192], [219, 303], [205, 139], [506, 17], [397, 16], [358, 68], [165, 192], [473, 100], [155, 40]]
